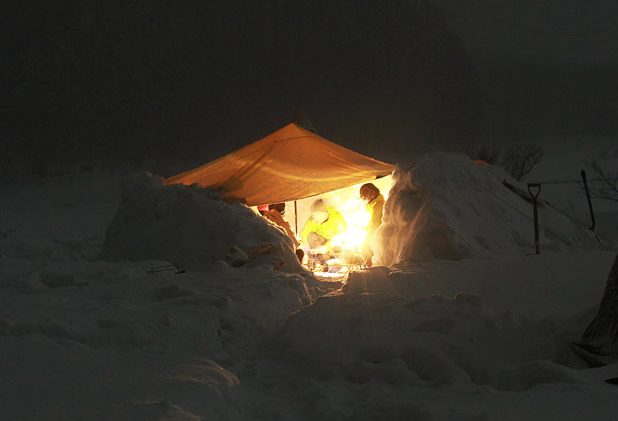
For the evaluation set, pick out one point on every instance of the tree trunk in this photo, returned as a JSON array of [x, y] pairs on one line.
[[602, 334]]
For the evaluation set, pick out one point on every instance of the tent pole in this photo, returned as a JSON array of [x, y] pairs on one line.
[[295, 218]]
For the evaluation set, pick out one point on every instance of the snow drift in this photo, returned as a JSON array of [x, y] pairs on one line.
[[444, 206], [81, 338], [192, 228]]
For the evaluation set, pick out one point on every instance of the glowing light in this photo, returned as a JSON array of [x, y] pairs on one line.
[[357, 219], [336, 269], [349, 245]]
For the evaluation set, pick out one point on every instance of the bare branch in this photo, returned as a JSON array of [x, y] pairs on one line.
[[608, 190], [520, 160]]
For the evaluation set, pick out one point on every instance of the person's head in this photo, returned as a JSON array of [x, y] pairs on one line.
[[319, 211], [369, 192], [279, 207]]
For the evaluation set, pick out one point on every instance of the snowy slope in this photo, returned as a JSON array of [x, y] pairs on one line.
[[444, 206], [477, 339], [192, 228], [564, 160]]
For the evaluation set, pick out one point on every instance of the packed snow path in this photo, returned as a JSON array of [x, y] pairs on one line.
[[475, 340], [385, 347]]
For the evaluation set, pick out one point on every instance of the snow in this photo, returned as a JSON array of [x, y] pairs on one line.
[[87, 333], [564, 160], [444, 206], [192, 228]]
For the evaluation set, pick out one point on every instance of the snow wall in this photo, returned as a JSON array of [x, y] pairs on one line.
[[444, 206], [192, 228]]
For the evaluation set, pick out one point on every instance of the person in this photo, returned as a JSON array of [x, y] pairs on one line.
[[323, 225], [275, 213], [375, 206]]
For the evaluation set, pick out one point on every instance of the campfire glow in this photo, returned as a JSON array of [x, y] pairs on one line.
[[357, 219], [347, 247]]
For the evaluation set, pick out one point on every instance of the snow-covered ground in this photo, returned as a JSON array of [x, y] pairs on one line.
[[484, 338], [444, 206], [564, 159]]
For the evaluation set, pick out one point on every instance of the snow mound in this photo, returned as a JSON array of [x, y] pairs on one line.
[[532, 374], [370, 333], [67, 384], [444, 206], [118, 306], [192, 228]]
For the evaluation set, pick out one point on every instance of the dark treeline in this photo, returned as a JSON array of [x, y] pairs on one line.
[[153, 82]]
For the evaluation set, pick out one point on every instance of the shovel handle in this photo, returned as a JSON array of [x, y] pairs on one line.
[[534, 194], [531, 187]]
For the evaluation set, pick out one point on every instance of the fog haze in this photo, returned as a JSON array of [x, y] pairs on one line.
[[159, 85], [557, 31]]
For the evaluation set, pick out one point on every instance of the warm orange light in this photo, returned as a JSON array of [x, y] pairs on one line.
[[357, 219], [347, 247]]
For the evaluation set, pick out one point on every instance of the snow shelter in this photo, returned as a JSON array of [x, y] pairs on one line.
[[288, 165]]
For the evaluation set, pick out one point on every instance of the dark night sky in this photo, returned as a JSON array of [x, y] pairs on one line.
[[558, 31], [182, 82]]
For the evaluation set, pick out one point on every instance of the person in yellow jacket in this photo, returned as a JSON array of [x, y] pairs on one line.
[[375, 206], [323, 225]]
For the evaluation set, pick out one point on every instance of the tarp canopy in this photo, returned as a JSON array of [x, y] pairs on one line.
[[289, 164]]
